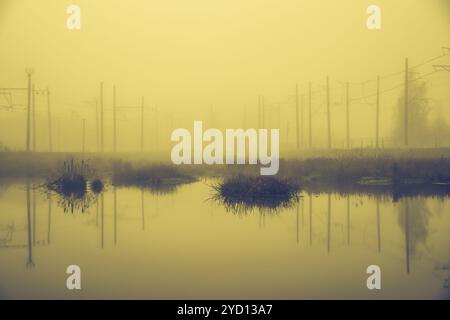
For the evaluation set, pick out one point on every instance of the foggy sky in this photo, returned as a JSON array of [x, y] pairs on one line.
[[191, 57]]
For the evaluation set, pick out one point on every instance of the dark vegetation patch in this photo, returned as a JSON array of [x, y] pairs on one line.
[[156, 178], [70, 183], [97, 186], [244, 193]]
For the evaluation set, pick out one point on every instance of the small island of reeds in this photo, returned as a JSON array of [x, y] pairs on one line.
[[243, 193]]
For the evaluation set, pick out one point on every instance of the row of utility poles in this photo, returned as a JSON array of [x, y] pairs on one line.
[[31, 114], [299, 114], [115, 107], [262, 114], [30, 138]]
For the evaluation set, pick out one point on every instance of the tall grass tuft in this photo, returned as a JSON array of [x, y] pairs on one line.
[[244, 193]]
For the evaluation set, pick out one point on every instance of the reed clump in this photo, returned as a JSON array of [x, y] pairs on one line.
[[242, 193]]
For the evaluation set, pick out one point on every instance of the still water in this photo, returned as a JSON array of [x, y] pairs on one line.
[[180, 245]]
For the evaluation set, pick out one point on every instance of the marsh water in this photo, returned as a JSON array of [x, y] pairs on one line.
[[133, 243]]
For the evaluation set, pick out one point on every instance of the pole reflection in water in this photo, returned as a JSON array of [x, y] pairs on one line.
[[297, 220], [34, 216], [329, 223], [30, 262], [407, 233], [49, 217], [310, 220], [96, 212], [115, 215], [142, 210], [102, 218], [409, 228], [378, 225], [303, 214], [348, 220]]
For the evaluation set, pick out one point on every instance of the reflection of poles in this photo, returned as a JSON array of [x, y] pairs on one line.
[[30, 249], [303, 215], [310, 220], [407, 234], [297, 221], [49, 217], [102, 207], [348, 220], [115, 215], [329, 222], [142, 209], [34, 217], [378, 225], [96, 212]]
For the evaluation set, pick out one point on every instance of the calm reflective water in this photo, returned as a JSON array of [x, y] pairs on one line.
[[180, 245]]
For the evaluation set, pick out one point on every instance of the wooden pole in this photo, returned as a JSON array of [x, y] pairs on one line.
[[33, 110], [102, 141], [310, 116], [347, 100], [28, 112], [97, 131], [377, 118], [406, 103], [328, 114], [142, 124], [297, 127], [302, 104], [114, 120], [49, 120]]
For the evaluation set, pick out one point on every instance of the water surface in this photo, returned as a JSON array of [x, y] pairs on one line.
[[180, 245]]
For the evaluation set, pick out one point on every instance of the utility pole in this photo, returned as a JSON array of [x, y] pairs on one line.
[[406, 102], [29, 73], [49, 116], [33, 106], [347, 100], [302, 104], [156, 128], [102, 145], [96, 125], [377, 129], [114, 120], [310, 117], [296, 117], [328, 114], [142, 124]]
